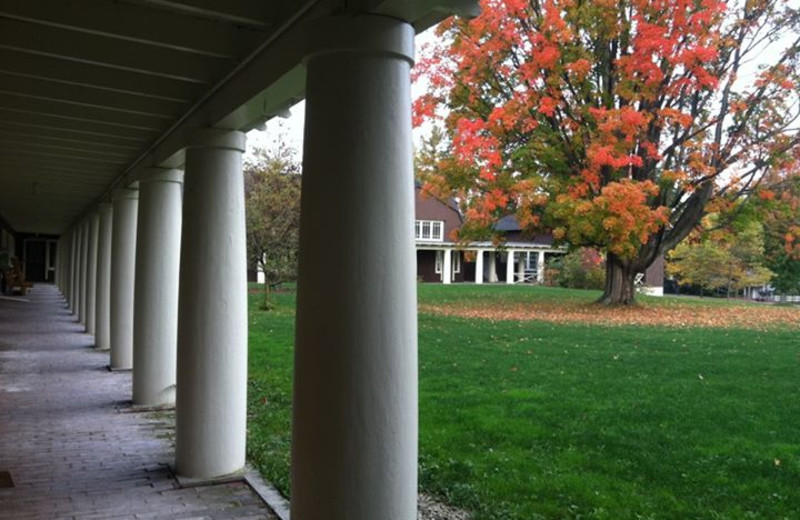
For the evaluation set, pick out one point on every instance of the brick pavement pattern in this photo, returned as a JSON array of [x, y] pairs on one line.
[[72, 449]]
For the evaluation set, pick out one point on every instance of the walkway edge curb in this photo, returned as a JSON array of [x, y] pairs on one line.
[[267, 492]]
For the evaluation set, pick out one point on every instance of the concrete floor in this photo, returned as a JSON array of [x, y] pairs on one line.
[[69, 441]]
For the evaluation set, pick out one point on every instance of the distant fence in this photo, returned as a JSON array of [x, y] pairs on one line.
[[776, 298]]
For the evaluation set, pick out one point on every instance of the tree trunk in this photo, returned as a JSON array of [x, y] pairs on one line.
[[619, 288], [730, 280], [266, 304]]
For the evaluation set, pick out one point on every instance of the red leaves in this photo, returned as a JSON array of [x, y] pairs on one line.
[[602, 103], [547, 106], [668, 313], [766, 195]]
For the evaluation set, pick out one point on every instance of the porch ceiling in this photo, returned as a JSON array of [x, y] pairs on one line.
[[90, 90]]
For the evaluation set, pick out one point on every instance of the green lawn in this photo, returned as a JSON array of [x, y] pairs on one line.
[[535, 420]]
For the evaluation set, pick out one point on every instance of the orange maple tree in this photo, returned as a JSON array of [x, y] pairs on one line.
[[612, 124]]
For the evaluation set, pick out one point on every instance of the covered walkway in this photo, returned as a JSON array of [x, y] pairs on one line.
[[69, 443], [122, 130]]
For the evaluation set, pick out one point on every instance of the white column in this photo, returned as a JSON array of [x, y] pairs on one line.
[[493, 267], [521, 266], [123, 262], [71, 267], [84, 267], [447, 266], [47, 245], [354, 437], [76, 279], [540, 267], [510, 267], [91, 279], [479, 266], [79, 275], [62, 255], [212, 312], [155, 307], [57, 274], [102, 335]]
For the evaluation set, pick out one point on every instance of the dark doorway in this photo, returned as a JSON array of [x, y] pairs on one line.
[[35, 260]]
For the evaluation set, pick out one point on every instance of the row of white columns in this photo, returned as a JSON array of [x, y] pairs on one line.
[[354, 448], [121, 280], [520, 265], [511, 277]]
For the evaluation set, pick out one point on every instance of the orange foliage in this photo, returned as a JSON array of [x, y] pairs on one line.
[[603, 120], [762, 317]]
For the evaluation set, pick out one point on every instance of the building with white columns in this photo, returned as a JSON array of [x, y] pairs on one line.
[[440, 258], [105, 102], [520, 258]]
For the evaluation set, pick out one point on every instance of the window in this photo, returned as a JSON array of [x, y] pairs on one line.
[[456, 262], [437, 268], [429, 230], [531, 262]]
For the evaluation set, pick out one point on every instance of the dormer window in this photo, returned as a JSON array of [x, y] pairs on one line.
[[429, 230]]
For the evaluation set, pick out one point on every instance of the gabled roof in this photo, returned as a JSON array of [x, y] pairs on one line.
[[508, 223]]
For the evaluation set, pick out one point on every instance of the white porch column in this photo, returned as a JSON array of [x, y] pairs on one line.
[[57, 274], [91, 286], [63, 262], [73, 247], [510, 267], [540, 267], [521, 266], [447, 266], [354, 445], [155, 306], [123, 261], [493, 267], [211, 395], [79, 275], [84, 267], [479, 266], [102, 335], [76, 272]]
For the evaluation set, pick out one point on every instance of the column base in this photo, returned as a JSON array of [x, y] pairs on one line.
[[190, 482], [143, 408], [250, 476]]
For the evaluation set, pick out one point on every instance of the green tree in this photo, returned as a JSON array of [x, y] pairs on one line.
[[698, 262], [272, 208], [729, 257], [779, 210]]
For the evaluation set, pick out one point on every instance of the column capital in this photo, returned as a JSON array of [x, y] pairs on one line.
[[160, 175], [104, 207], [216, 138], [371, 34], [125, 193]]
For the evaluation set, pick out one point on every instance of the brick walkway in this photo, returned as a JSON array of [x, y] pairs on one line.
[[71, 450]]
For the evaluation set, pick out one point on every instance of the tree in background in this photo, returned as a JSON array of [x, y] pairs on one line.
[[698, 262], [722, 255], [272, 208], [615, 124], [779, 210]]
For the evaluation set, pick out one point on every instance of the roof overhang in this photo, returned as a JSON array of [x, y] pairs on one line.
[[94, 90]]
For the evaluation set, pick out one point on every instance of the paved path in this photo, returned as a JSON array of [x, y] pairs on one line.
[[71, 450]]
